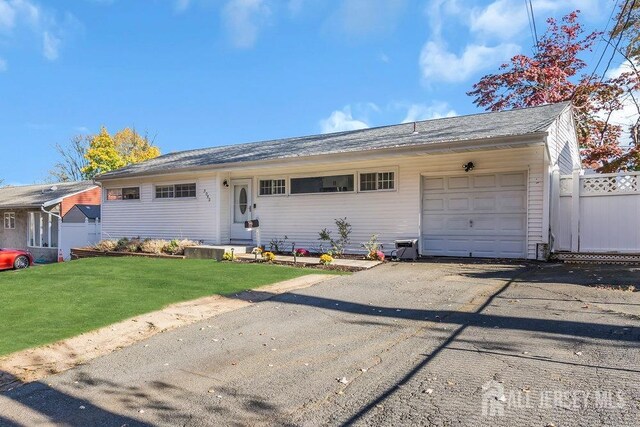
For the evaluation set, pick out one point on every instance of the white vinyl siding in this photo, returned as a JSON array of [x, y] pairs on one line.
[[390, 214], [188, 218], [562, 143]]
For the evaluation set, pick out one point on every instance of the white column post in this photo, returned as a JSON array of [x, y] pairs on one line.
[[554, 204], [575, 211]]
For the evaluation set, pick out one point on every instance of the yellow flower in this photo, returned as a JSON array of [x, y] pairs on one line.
[[326, 259]]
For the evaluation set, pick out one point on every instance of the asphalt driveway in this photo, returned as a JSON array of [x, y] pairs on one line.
[[402, 344]]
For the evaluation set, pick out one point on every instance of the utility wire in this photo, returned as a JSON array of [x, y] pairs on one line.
[[604, 51], [534, 37], [615, 48]]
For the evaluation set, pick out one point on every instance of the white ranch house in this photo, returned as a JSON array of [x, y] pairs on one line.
[[400, 182]]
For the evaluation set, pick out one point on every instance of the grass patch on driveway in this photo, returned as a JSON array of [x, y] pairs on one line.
[[45, 304]]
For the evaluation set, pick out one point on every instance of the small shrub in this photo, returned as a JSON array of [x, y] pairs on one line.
[[122, 244], [372, 246], [277, 245], [152, 246], [268, 256], [133, 246], [337, 245], [106, 245], [176, 247], [326, 259], [228, 256], [302, 252], [171, 248]]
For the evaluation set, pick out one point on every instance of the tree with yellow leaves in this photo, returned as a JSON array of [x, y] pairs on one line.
[[106, 153]]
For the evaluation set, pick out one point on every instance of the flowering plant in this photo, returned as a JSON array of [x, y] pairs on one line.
[[302, 252], [268, 256], [326, 259]]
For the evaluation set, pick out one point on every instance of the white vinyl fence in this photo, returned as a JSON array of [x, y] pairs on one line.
[[597, 213], [76, 235]]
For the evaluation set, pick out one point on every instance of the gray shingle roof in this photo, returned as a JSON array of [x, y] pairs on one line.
[[39, 194], [452, 129], [90, 211]]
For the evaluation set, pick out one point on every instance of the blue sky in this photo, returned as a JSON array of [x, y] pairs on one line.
[[199, 73]]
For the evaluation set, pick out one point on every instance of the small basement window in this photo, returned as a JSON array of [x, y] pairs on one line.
[[322, 184], [127, 193], [175, 191], [9, 220], [270, 187], [375, 181]]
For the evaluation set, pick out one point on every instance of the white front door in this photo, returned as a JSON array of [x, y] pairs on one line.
[[241, 208], [475, 215]]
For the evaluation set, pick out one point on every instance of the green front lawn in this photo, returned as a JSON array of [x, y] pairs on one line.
[[45, 304]]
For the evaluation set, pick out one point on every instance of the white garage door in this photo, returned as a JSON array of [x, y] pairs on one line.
[[475, 215]]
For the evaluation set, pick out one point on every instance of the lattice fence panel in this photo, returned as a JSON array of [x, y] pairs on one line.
[[618, 184]]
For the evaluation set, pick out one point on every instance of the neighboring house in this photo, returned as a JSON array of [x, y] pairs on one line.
[[476, 185], [32, 214], [82, 214]]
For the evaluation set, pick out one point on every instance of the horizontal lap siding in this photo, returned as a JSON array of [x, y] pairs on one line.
[[165, 219], [391, 215], [563, 146]]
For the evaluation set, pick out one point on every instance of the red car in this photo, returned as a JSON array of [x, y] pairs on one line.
[[15, 258]]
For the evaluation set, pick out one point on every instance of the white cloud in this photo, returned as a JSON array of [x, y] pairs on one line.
[[439, 64], [507, 18], [361, 18], [628, 114], [3, 65], [244, 19], [436, 110], [50, 46], [341, 120], [384, 58], [7, 16], [27, 18]]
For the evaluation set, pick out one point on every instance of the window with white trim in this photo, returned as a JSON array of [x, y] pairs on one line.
[[9, 220], [125, 193], [322, 184], [164, 191], [175, 191], [42, 230], [375, 181], [271, 187], [185, 190]]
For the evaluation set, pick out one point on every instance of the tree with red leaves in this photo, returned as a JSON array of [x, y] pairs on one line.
[[551, 75]]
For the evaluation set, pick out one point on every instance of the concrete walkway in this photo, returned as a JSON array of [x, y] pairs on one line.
[[362, 264]]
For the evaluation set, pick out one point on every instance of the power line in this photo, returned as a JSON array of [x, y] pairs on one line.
[[533, 21], [534, 37], [606, 47], [615, 48], [604, 51]]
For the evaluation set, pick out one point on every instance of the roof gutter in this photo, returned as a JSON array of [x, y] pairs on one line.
[[426, 148]]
